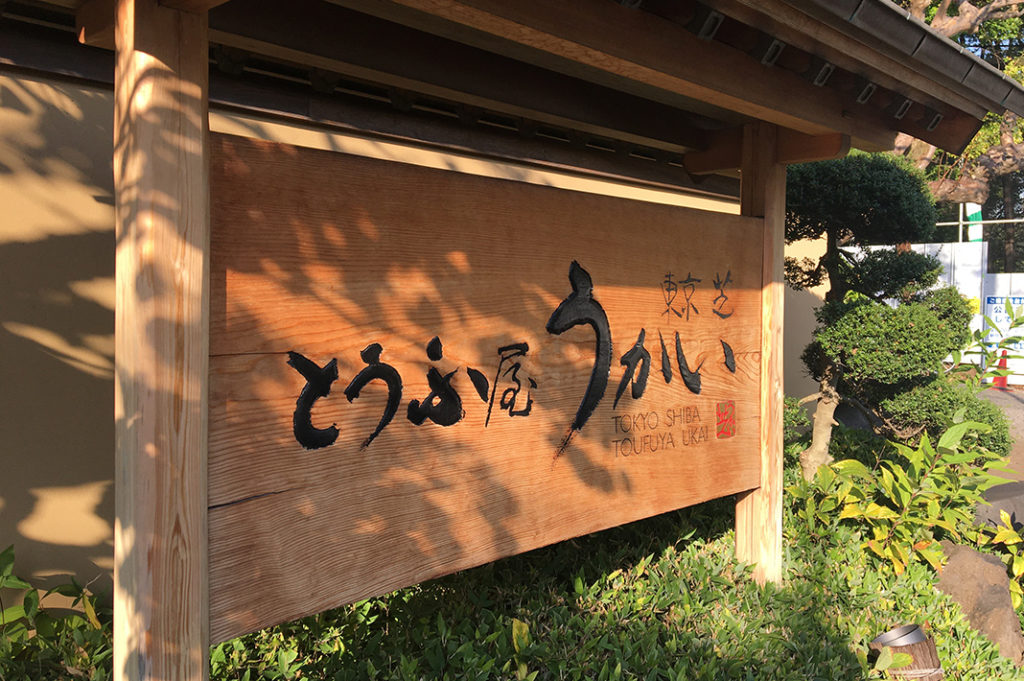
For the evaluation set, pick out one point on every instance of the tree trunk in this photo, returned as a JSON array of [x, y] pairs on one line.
[[817, 454]]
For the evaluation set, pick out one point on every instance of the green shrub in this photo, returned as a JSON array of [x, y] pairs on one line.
[[661, 599], [884, 346], [38, 644], [863, 198], [854, 443], [935, 405], [795, 421], [904, 503]]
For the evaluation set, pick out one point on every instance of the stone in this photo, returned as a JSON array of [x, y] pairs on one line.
[[980, 585], [1008, 497]]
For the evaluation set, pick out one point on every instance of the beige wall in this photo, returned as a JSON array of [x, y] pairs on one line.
[[799, 323], [56, 325]]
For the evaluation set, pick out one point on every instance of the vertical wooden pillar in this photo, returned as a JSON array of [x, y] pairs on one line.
[[161, 339], [759, 511]]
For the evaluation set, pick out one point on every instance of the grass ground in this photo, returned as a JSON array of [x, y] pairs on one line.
[[657, 599]]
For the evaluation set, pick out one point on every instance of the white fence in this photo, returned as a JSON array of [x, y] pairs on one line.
[[964, 266]]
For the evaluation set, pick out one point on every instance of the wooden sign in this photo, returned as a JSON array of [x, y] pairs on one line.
[[415, 371]]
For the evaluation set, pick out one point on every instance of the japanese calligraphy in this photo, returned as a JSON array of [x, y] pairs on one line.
[[721, 299], [730, 358], [725, 413], [509, 366], [691, 379], [670, 290], [512, 389], [580, 307], [442, 405], [635, 355], [376, 370], [318, 384]]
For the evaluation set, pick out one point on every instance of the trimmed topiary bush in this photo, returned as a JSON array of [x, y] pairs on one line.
[[936, 404]]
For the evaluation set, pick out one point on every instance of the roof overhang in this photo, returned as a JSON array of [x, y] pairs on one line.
[[673, 81]]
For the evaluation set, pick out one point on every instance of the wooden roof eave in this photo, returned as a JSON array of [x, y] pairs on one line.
[[897, 37], [599, 41], [634, 52], [640, 55]]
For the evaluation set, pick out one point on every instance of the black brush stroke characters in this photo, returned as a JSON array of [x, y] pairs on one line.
[[318, 384], [579, 308]]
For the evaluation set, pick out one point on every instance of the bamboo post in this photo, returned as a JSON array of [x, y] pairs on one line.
[[161, 341], [759, 511]]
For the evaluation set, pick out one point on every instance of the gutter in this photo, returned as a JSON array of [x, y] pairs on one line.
[[894, 27]]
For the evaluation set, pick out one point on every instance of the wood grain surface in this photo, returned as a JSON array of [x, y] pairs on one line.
[[323, 254], [161, 344], [759, 511]]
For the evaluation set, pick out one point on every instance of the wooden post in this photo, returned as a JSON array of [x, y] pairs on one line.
[[759, 511], [162, 329]]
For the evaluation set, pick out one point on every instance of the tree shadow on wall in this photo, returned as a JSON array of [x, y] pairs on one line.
[[56, 330], [386, 259]]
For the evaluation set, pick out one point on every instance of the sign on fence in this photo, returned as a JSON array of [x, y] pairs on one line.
[[415, 371]]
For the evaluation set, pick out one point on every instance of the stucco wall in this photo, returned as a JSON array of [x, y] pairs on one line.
[[799, 322], [56, 327]]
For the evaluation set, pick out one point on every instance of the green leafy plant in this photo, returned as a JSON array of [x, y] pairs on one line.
[[884, 200], [1006, 542], [906, 501], [978, 364], [887, 660], [37, 643]]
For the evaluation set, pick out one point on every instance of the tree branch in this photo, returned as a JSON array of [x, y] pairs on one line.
[[972, 184], [875, 419]]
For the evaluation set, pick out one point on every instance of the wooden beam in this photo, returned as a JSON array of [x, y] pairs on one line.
[[94, 23], [722, 154], [893, 71], [759, 511], [94, 19], [596, 41], [437, 68], [725, 153], [819, 31], [795, 147], [197, 6], [161, 622]]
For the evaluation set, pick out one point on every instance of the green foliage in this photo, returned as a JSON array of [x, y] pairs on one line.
[[854, 443], [872, 341], [662, 599], [891, 363], [905, 503], [886, 273], [794, 421], [1006, 542], [862, 199], [37, 643], [933, 405]]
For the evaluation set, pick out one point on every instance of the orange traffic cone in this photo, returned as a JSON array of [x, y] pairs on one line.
[[999, 382]]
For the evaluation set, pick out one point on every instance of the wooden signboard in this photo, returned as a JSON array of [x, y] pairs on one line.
[[415, 371]]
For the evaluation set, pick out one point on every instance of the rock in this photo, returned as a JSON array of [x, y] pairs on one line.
[[1008, 497], [980, 585]]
